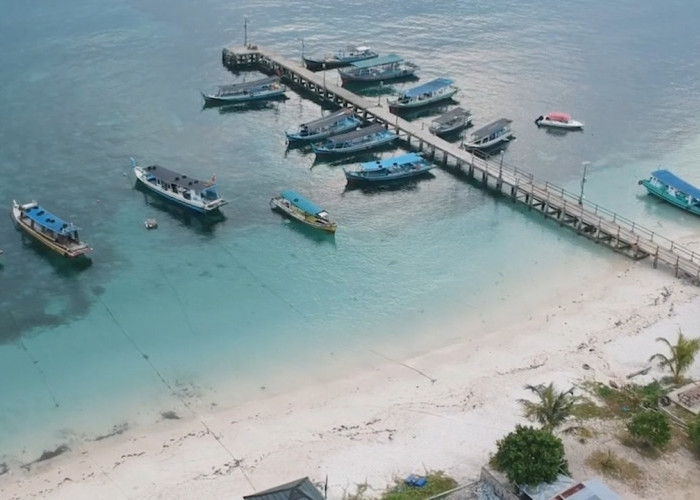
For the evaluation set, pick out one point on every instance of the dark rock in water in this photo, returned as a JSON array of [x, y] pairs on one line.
[[53, 453], [117, 429], [170, 415], [3, 468]]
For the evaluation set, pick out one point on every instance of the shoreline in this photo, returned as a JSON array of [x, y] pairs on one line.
[[386, 421]]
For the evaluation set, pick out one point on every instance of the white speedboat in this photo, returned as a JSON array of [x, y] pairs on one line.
[[558, 120]]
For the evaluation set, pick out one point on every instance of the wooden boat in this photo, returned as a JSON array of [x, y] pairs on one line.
[[358, 140], [379, 69], [258, 90], [454, 120], [200, 196], [299, 208], [334, 123], [390, 169], [49, 230], [492, 135], [427, 93], [674, 190], [340, 59], [558, 120]]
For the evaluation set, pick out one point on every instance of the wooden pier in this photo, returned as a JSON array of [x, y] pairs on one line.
[[587, 219]]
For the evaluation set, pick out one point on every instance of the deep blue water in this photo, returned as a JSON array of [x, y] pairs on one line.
[[208, 312]]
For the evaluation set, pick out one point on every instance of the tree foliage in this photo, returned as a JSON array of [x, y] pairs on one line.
[[651, 427], [694, 432], [553, 407], [530, 456], [682, 355]]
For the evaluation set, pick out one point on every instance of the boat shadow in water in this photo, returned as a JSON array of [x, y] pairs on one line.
[[425, 110], [317, 235], [62, 266], [202, 223], [241, 107], [375, 89], [410, 184]]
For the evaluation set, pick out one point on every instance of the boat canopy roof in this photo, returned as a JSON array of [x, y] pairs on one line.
[[234, 87], [50, 221], [328, 119], [428, 87], [377, 61], [558, 116], [360, 132], [300, 202], [388, 162], [492, 127], [451, 115], [672, 180], [171, 177]]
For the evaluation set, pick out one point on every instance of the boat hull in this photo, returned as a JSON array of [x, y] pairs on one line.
[[212, 100], [320, 150], [497, 142], [341, 128], [281, 205], [200, 207], [571, 125], [413, 104], [359, 178], [669, 198], [70, 251]]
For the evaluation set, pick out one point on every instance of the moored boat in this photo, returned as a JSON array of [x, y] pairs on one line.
[[560, 120], [340, 59], [454, 120], [427, 93], [390, 169], [200, 196], [299, 208], [48, 229], [258, 90], [667, 186], [494, 134], [362, 139], [334, 123], [389, 67]]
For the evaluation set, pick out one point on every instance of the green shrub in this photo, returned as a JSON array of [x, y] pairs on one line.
[[651, 427]]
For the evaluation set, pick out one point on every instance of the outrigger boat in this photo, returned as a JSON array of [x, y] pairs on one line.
[[189, 192], [341, 59], [450, 122], [558, 120], [49, 230], [299, 208], [430, 92], [266, 88], [335, 123], [358, 140], [389, 67], [390, 169], [674, 190], [492, 135]]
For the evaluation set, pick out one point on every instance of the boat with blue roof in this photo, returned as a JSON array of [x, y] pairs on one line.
[[339, 122], [436, 90], [341, 59], [390, 169], [379, 69], [200, 196], [299, 208], [674, 190], [359, 140], [235, 93], [450, 122], [48, 229]]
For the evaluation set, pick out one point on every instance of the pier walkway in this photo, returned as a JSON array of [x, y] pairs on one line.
[[588, 219]]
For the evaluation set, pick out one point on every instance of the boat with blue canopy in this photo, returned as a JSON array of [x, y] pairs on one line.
[[448, 123], [200, 196], [383, 68], [362, 139], [671, 188], [340, 59], [48, 229], [299, 208], [339, 122], [258, 90], [494, 134], [390, 169], [436, 90]]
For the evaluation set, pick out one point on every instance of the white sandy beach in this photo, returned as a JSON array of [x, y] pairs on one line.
[[441, 411]]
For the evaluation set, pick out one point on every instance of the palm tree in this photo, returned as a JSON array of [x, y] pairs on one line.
[[682, 355], [552, 408]]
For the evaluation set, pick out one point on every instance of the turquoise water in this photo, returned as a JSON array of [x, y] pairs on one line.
[[207, 313]]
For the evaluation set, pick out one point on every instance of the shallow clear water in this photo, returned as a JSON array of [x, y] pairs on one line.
[[210, 312]]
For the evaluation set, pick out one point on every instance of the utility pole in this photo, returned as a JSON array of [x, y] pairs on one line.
[[245, 31], [583, 181]]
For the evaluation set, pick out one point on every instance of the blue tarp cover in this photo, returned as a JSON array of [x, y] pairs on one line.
[[671, 180], [50, 221], [299, 201], [378, 61], [387, 162], [428, 87]]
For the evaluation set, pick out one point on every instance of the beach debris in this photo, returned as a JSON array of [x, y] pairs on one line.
[[586, 366], [3, 468], [613, 384], [643, 371], [170, 415], [416, 481], [116, 430], [150, 223]]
